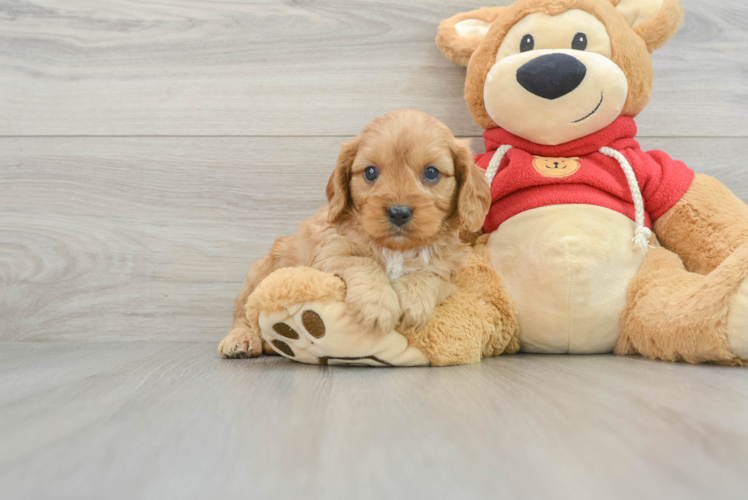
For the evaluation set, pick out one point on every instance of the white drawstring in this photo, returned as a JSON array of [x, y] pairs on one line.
[[495, 163], [643, 234]]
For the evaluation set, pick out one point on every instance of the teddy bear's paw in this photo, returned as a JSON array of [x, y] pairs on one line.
[[322, 333], [240, 343]]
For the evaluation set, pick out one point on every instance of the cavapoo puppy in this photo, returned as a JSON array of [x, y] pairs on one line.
[[400, 195]]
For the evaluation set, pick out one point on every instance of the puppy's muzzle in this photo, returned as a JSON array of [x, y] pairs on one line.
[[552, 76], [399, 215]]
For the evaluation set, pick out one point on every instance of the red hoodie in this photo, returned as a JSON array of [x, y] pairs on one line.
[[532, 176]]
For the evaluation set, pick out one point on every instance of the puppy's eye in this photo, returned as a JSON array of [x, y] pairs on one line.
[[580, 42], [431, 174], [371, 174], [528, 43]]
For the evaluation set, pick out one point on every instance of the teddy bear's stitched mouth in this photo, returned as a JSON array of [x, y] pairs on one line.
[[594, 111]]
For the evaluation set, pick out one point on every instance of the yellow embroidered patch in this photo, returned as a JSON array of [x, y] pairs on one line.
[[556, 167]]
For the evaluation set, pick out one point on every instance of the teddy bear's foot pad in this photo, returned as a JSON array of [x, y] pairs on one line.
[[322, 333]]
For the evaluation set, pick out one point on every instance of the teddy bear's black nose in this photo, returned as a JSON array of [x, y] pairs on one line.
[[552, 76]]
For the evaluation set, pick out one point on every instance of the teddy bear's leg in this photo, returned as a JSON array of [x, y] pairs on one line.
[[301, 312], [706, 226], [477, 321], [673, 314]]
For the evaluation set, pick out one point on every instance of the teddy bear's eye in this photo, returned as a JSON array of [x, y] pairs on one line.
[[528, 43], [580, 42]]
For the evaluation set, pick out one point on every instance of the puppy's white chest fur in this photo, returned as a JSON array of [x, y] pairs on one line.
[[399, 263]]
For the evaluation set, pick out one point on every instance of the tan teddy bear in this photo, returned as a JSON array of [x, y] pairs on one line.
[[556, 85]]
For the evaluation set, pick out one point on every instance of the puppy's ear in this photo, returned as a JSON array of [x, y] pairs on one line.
[[655, 21], [460, 35], [338, 192], [474, 198]]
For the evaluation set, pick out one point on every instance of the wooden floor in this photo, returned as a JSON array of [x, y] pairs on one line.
[[169, 420], [150, 151]]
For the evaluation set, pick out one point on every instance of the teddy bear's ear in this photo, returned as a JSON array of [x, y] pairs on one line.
[[656, 21], [460, 35]]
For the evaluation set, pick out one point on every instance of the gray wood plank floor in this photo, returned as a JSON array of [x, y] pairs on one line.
[[167, 420], [151, 151]]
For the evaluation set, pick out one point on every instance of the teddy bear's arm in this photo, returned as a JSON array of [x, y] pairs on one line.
[[706, 226]]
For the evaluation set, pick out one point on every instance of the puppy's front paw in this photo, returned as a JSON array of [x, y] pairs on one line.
[[240, 343], [373, 305], [415, 316], [417, 309]]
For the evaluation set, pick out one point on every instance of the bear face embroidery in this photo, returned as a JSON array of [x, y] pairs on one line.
[[556, 168]]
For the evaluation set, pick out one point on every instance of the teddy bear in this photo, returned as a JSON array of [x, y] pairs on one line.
[[591, 245], [601, 246]]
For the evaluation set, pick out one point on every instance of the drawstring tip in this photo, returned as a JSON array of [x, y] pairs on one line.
[[641, 238]]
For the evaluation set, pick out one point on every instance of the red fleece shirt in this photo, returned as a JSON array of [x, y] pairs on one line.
[[599, 180]]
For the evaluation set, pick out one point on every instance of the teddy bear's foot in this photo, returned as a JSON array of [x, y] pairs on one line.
[[675, 315], [301, 313], [318, 333]]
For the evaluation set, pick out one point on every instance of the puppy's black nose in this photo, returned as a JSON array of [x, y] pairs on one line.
[[399, 214], [552, 76]]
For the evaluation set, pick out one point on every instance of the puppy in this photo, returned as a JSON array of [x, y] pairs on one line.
[[400, 195]]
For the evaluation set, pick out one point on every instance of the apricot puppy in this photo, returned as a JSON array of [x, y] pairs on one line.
[[399, 196]]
